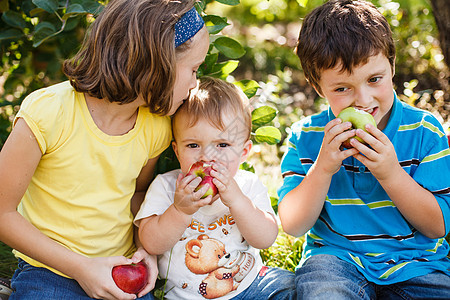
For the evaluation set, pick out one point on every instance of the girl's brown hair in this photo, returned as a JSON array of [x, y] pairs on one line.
[[342, 32], [130, 52]]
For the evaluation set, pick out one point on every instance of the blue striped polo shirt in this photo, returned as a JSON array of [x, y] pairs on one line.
[[359, 223]]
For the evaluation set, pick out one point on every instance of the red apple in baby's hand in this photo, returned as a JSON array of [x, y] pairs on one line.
[[131, 278], [203, 170]]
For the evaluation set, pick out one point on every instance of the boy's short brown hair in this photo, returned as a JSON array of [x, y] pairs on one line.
[[130, 52], [342, 32], [210, 99]]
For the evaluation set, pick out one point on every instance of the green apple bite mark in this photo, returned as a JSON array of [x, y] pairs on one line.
[[203, 170], [131, 278], [359, 120]]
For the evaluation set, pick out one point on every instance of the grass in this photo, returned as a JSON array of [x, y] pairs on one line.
[[8, 263]]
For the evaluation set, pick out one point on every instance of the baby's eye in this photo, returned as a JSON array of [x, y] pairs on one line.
[[192, 145], [375, 79], [223, 145]]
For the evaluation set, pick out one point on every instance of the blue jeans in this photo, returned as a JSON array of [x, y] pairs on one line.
[[273, 283], [328, 277], [31, 283]]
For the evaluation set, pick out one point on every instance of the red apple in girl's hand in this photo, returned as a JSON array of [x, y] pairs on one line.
[[130, 278], [203, 170]]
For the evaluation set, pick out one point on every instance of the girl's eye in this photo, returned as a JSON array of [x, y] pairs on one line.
[[193, 145], [374, 79]]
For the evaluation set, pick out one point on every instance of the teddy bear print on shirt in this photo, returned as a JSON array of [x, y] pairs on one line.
[[225, 271]]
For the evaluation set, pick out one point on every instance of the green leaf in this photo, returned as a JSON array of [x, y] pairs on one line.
[[225, 68], [207, 66], [229, 2], [10, 33], [247, 167], [43, 33], [215, 24], [263, 115], [74, 9], [302, 3], [14, 19], [268, 134], [249, 87], [229, 47], [48, 5]]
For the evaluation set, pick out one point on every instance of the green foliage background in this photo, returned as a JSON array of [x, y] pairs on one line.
[[250, 39]]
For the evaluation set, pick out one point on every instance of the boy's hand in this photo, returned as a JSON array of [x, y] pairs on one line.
[[381, 159], [331, 154], [229, 190], [186, 200]]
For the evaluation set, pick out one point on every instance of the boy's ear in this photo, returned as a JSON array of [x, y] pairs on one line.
[[246, 151]]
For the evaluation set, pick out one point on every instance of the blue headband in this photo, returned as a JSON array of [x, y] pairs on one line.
[[187, 26]]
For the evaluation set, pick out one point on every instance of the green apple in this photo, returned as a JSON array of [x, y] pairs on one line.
[[359, 120]]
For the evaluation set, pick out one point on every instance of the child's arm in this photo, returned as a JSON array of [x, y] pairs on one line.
[[300, 207], [258, 227], [159, 233], [417, 205], [18, 161]]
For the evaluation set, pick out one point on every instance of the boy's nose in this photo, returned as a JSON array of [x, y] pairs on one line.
[[363, 99]]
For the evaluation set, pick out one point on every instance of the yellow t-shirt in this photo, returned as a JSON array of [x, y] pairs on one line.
[[80, 193]]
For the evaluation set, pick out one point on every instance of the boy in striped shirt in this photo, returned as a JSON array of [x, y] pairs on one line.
[[376, 215]]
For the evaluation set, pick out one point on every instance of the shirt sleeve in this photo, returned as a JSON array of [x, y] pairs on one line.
[[292, 169], [43, 112], [159, 196], [434, 168]]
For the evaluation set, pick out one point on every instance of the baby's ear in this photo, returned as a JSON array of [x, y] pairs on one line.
[[246, 151], [174, 147]]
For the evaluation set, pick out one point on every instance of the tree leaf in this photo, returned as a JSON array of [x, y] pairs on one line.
[[74, 9], [14, 19], [215, 24], [229, 2], [229, 47], [302, 2], [263, 115], [268, 134], [225, 68], [11, 33], [42, 34], [208, 65], [249, 87], [4, 5], [48, 5]]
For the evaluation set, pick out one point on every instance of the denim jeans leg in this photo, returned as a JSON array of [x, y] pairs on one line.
[[31, 283], [271, 283], [328, 277], [435, 285]]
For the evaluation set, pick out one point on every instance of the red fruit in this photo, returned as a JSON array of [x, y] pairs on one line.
[[203, 170], [130, 278]]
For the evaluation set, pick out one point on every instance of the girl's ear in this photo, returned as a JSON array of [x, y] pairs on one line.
[[246, 151]]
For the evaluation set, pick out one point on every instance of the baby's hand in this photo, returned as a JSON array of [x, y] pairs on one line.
[[331, 153], [228, 188], [381, 159], [186, 199]]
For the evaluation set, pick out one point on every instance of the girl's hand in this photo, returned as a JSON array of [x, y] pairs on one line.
[[229, 190], [381, 159], [331, 154], [186, 200], [152, 267], [96, 279]]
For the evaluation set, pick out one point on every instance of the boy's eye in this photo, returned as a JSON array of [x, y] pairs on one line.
[[374, 79], [342, 89], [193, 145]]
